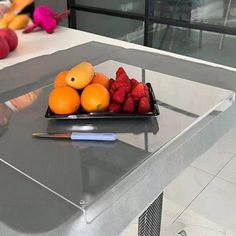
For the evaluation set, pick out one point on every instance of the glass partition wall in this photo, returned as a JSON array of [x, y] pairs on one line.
[[203, 29]]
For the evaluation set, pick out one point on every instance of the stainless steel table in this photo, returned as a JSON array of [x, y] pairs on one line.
[[97, 188]]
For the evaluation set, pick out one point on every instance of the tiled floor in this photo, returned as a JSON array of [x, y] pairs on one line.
[[202, 200]]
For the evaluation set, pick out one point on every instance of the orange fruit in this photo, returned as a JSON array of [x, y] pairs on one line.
[[95, 98], [64, 100], [100, 78], [80, 76], [60, 79]]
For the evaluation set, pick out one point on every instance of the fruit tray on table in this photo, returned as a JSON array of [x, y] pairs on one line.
[[132, 99], [81, 114]]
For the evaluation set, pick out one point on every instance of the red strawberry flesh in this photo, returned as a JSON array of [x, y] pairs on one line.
[[120, 71], [124, 84], [119, 95], [129, 106], [114, 107], [144, 105], [139, 91], [111, 81], [134, 82], [122, 77]]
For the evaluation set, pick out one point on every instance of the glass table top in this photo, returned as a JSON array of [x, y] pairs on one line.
[[83, 172]]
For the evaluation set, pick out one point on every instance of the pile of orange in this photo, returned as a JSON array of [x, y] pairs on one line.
[[100, 78], [95, 98], [79, 86], [60, 79], [64, 100]]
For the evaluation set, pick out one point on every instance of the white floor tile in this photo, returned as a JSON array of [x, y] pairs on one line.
[[196, 225], [231, 134], [218, 155], [213, 211], [131, 230], [227, 142], [217, 204], [173, 229], [229, 171], [181, 192], [170, 212], [213, 161]]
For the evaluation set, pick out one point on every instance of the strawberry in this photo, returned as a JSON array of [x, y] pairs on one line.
[[127, 86], [139, 91], [146, 91], [134, 82], [120, 71], [128, 95], [145, 87], [144, 105], [114, 107], [122, 77], [117, 84], [111, 91], [119, 95], [129, 106], [111, 81], [124, 84]]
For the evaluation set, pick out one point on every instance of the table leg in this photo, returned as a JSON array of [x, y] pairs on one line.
[[149, 223]]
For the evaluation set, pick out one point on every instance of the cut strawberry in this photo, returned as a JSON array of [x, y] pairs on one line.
[[119, 95], [129, 106], [144, 105], [114, 107]]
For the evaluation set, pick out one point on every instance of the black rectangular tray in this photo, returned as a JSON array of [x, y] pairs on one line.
[[107, 114]]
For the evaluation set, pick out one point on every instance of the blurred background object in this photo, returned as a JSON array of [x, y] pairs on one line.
[[15, 105], [56, 5], [189, 27]]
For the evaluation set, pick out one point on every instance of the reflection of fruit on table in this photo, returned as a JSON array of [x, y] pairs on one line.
[[16, 104], [135, 126], [25, 100], [5, 115]]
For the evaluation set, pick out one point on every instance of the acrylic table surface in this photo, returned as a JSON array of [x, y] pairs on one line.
[[53, 188]]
